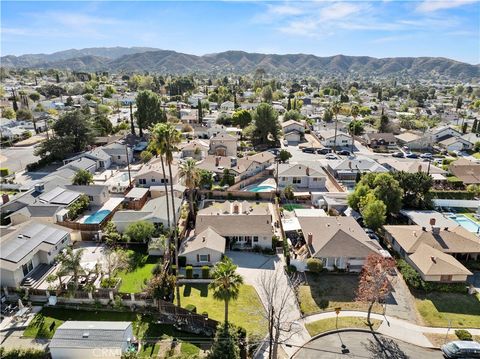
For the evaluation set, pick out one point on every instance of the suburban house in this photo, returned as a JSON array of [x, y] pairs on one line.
[[154, 211], [243, 224], [205, 248], [380, 140], [97, 194], [442, 133], [455, 144], [196, 149], [27, 252], [105, 156], [303, 177], [293, 131], [327, 138], [410, 166], [91, 339], [467, 171], [227, 106], [454, 243], [223, 144], [339, 242], [40, 212], [414, 141], [82, 163], [151, 174], [349, 168]]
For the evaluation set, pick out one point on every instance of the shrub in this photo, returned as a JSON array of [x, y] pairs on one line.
[[205, 272], [452, 194], [314, 265], [189, 272], [182, 261], [291, 268], [157, 269], [205, 314], [23, 354], [191, 308], [174, 269], [4, 172], [463, 334], [323, 303], [108, 283]]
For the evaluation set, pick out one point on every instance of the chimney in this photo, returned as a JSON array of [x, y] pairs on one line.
[[236, 208], [309, 238], [217, 161], [203, 239], [432, 221], [307, 171], [5, 198]]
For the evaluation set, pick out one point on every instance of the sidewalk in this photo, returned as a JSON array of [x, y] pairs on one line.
[[394, 327]]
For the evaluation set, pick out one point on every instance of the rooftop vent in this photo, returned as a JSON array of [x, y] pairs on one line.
[[85, 335]]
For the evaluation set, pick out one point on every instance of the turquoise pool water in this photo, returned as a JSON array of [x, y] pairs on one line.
[[466, 223], [97, 217], [262, 188]]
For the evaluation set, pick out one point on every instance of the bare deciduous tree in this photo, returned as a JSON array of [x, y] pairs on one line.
[[114, 259], [277, 297]]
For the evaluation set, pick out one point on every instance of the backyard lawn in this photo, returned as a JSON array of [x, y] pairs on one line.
[[437, 309], [246, 311], [133, 279], [49, 319], [326, 292], [325, 325]]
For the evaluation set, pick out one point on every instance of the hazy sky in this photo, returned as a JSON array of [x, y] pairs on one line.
[[374, 28]]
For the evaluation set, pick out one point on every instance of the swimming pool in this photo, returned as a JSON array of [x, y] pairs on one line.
[[466, 223], [97, 217], [262, 188]]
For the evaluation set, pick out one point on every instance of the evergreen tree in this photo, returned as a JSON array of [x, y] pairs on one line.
[[225, 343], [14, 100], [200, 111], [475, 126], [57, 77], [289, 104]]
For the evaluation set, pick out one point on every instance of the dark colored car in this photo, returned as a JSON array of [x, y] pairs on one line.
[[461, 349], [411, 155], [324, 151], [343, 153], [398, 154], [308, 150]]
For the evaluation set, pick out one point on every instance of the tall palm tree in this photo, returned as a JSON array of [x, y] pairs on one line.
[[226, 283], [70, 262], [189, 171], [354, 111], [336, 106]]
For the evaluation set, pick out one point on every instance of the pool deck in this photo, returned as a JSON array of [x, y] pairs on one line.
[[110, 205], [269, 182]]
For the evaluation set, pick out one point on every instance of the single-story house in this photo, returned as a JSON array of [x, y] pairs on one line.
[[455, 144], [91, 339], [97, 194], [293, 131], [415, 141], [243, 224], [223, 144], [196, 149], [380, 140], [204, 248], [339, 242], [151, 174], [303, 177], [327, 138], [467, 171], [27, 252], [347, 169], [40, 212]]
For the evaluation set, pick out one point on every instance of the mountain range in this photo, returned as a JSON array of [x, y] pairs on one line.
[[140, 59]]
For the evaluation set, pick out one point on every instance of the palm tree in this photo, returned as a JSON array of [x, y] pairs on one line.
[[336, 106], [189, 170], [354, 111], [226, 283], [70, 262]]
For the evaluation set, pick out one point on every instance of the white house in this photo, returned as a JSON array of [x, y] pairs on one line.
[[91, 339], [293, 131], [303, 177], [205, 248], [227, 106], [456, 144], [26, 253], [327, 138]]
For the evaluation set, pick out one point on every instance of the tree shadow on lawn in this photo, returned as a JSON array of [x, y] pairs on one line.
[[202, 288], [326, 288], [457, 303]]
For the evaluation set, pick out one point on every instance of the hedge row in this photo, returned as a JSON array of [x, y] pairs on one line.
[[413, 280], [452, 194]]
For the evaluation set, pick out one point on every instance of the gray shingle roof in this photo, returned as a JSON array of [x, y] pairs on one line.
[[90, 334]]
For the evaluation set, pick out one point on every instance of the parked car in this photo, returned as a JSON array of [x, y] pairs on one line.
[[368, 231], [343, 153], [411, 155], [331, 156], [308, 150], [461, 349], [285, 143], [398, 154], [324, 151], [426, 155]]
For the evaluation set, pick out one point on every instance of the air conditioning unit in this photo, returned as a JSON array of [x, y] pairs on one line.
[[39, 187]]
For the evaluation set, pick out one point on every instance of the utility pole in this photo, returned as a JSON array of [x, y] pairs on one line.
[[128, 166], [132, 127]]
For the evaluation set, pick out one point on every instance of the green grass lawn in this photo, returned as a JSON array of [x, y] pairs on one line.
[[291, 207], [476, 155], [471, 216], [325, 325], [133, 279], [325, 292], [246, 311], [49, 319], [437, 309]]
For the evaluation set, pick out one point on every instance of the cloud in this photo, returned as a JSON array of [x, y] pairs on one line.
[[339, 11], [434, 5]]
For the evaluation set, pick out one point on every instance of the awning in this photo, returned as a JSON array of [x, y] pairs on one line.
[[291, 224]]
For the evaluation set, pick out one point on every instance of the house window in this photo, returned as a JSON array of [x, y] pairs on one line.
[[445, 278], [296, 180], [255, 238], [90, 198], [203, 258], [153, 180], [27, 267], [118, 157], [142, 181], [315, 179]]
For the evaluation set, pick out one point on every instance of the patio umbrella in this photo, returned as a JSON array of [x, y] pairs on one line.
[[20, 304]]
